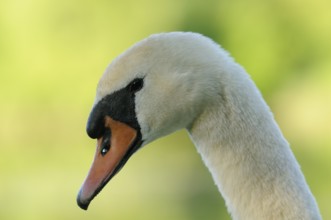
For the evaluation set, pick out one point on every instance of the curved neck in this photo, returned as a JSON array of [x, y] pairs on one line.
[[250, 161]]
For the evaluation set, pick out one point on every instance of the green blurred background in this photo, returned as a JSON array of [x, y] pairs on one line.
[[52, 54]]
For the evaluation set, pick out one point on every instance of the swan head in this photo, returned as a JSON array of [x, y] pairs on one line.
[[154, 88]]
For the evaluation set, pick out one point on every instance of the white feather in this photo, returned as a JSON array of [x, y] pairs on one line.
[[190, 82]]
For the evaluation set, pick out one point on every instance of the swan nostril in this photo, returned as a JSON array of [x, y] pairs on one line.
[[105, 150], [105, 146]]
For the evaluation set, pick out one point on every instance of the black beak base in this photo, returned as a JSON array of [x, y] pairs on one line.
[[120, 106]]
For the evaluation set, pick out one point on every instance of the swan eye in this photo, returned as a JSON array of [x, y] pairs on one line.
[[136, 85]]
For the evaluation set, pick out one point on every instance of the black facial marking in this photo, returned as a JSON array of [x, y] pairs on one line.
[[119, 105]]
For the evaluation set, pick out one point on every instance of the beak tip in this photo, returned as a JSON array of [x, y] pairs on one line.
[[82, 204]]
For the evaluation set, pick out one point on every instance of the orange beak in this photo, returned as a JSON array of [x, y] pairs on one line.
[[110, 156]]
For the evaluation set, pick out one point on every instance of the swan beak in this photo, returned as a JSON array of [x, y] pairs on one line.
[[108, 161]]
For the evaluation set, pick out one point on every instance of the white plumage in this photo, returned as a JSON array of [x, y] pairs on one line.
[[190, 82]]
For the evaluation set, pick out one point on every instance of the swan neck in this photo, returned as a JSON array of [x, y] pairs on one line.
[[250, 161]]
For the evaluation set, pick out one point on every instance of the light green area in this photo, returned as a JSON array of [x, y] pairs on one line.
[[52, 54]]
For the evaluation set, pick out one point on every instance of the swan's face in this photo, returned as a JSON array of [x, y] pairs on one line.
[[149, 91]]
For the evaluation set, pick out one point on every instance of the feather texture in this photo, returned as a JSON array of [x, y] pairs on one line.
[[191, 82]]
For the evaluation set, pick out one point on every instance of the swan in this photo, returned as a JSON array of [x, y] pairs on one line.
[[177, 80]]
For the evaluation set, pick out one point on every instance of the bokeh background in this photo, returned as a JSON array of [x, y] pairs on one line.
[[52, 54]]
